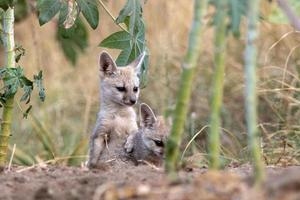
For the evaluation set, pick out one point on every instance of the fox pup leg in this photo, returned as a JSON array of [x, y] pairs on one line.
[[129, 143], [97, 145]]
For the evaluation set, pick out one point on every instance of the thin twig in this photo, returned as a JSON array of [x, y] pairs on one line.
[[192, 139], [111, 16], [277, 42], [150, 165], [11, 157], [49, 161], [287, 62]]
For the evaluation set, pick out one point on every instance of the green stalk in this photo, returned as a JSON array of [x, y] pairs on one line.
[[250, 93], [185, 88], [9, 45], [218, 80]]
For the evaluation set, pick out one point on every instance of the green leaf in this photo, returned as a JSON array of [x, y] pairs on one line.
[[73, 40], [117, 40], [14, 79], [90, 11], [38, 81], [47, 10], [27, 93], [132, 9], [131, 44], [134, 49], [11, 79], [63, 12]]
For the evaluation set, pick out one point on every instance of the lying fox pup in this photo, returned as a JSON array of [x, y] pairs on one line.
[[116, 118], [147, 144]]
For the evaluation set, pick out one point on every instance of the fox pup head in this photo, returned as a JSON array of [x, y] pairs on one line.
[[154, 130], [120, 84]]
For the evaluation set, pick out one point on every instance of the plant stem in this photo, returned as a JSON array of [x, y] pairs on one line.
[[111, 16], [293, 18], [184, 90], [218, 79], [250, 93], [9, 45]]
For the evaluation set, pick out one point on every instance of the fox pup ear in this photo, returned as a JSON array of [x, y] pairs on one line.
[[107, 65], [137, 63], [147, 118]]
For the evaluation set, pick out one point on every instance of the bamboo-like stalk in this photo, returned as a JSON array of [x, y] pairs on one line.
[[218, 79], [293, 18], [9, 45], [250, 90], [185, 88]]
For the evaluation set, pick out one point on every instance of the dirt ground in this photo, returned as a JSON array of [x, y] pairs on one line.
[[146, 182]]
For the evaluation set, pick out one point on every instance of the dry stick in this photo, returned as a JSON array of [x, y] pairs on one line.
[[49, 161], [11, 157], [294, 20], [111, 16]]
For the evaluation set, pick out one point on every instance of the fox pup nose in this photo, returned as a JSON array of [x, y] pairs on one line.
[[132, 101]]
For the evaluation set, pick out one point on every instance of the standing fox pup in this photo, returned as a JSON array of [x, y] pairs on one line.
[[148, 143], [119, 92]]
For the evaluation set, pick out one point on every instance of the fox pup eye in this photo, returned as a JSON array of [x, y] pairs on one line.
[[159, 143], [121, 89], [135, 89]]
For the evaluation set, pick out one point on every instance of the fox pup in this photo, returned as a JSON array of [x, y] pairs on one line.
[[149, 141], [119, 91]]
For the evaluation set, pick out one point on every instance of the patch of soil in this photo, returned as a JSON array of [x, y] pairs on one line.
[[123, 181]]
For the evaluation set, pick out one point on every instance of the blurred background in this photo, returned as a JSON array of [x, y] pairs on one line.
[[58, 129]]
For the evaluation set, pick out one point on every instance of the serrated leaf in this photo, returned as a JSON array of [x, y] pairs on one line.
[[133, 10], [117, 40], [90, 11], [63, 12], [124, 57], [27, 94], [38, 81], [47, 10], [134, 48], [131, 44]]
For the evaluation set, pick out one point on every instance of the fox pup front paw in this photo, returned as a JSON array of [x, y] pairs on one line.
[[129, 143]]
